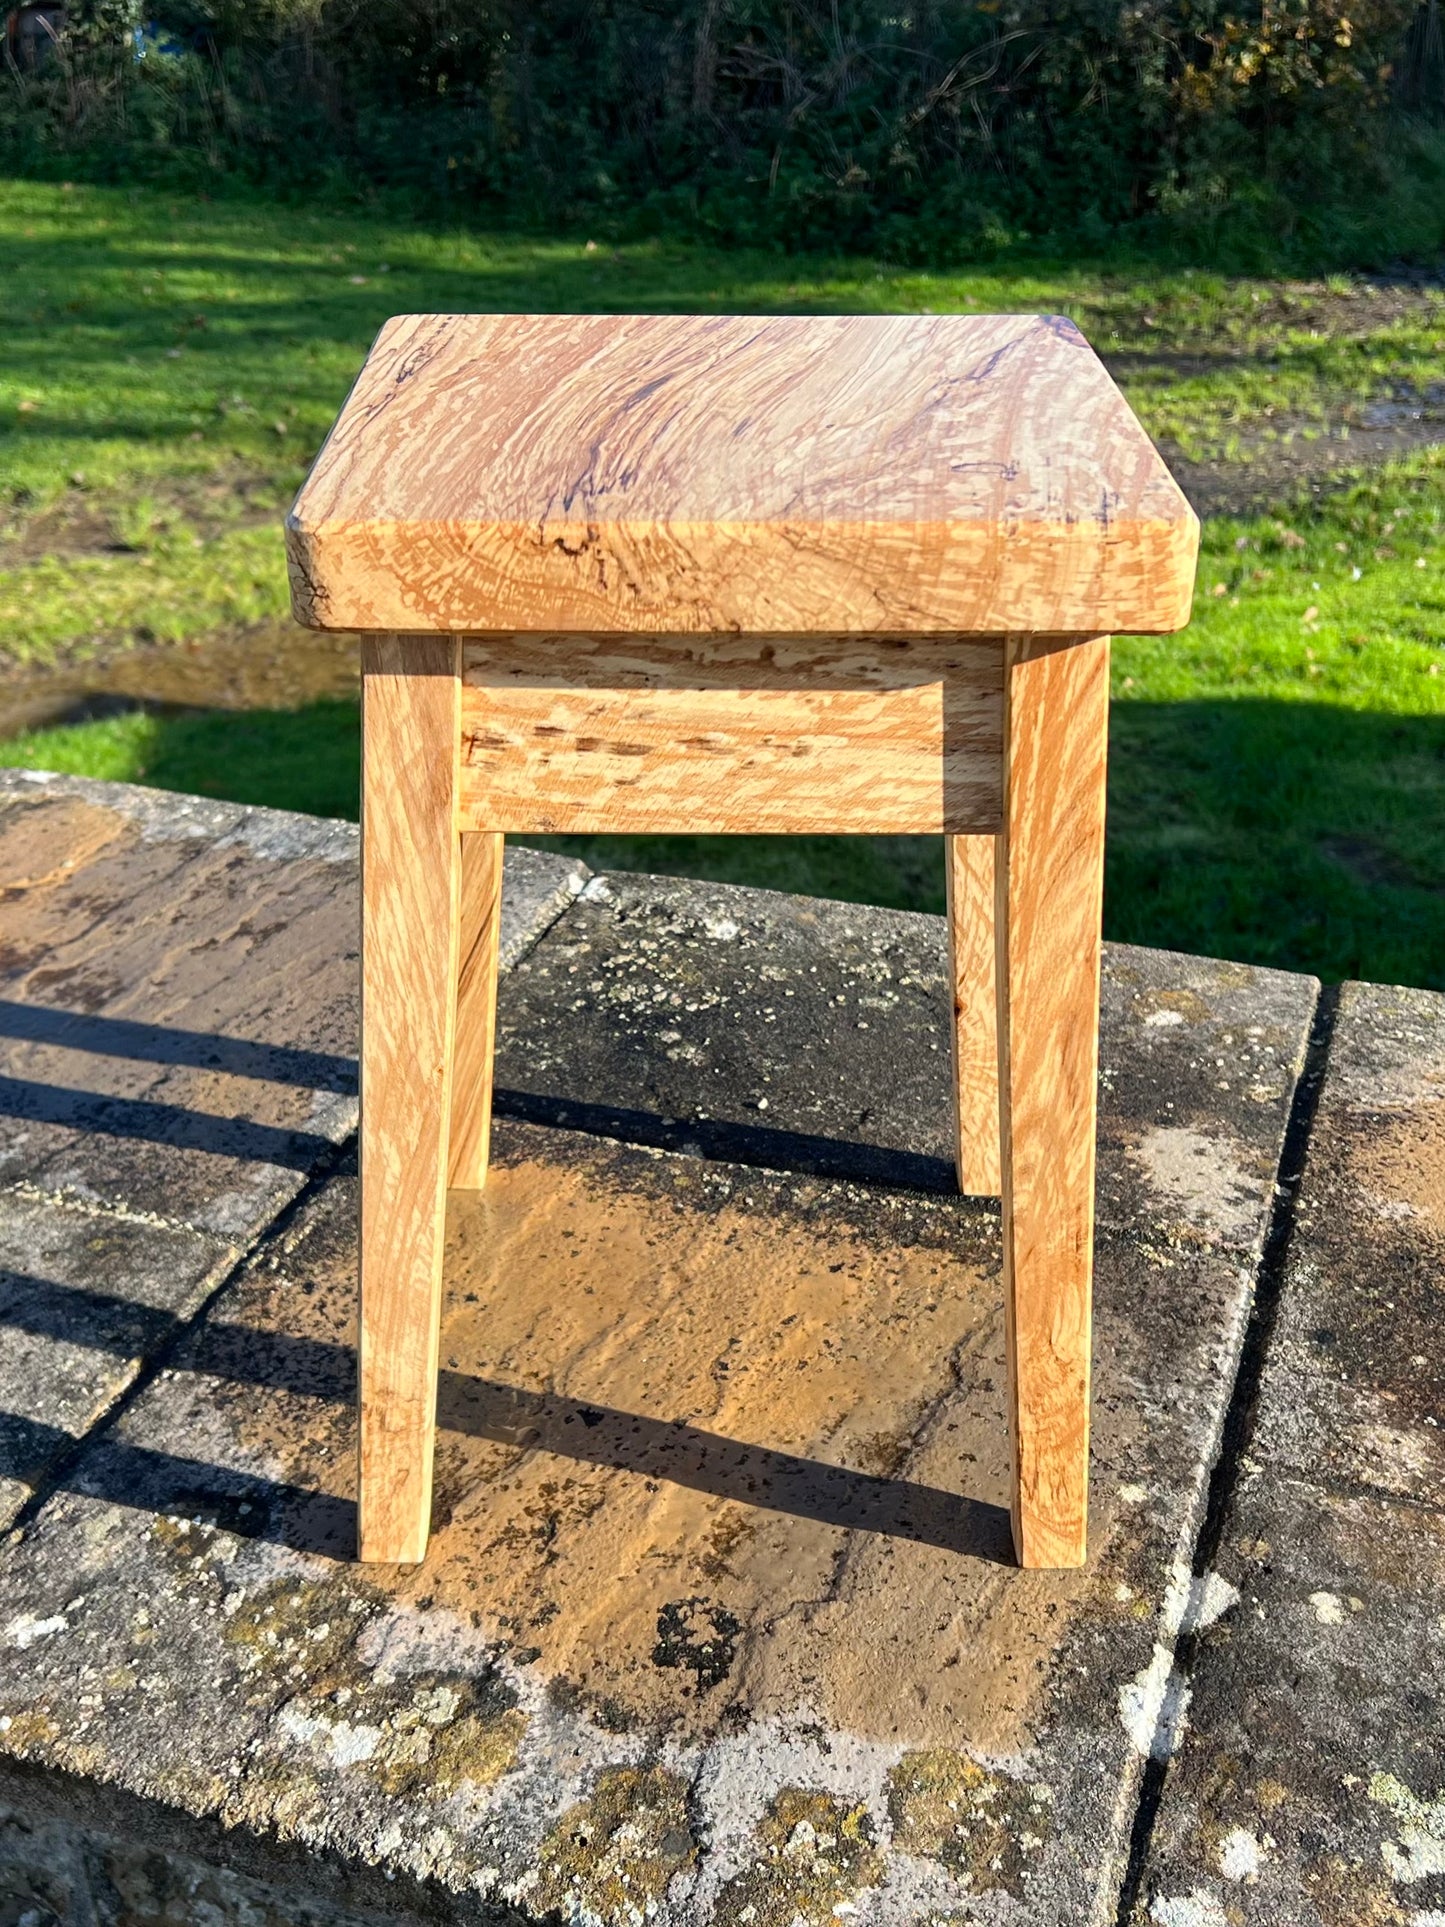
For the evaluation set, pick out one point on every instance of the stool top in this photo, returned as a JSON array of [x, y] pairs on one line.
[[896, 474]]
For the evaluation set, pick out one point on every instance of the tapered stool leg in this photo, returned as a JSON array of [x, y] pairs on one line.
[[410, 856], [969, 881], [1049, 893], [481, 931]]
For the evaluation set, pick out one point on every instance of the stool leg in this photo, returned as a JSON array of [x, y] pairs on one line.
[[1049, 898], [410, 856], [968, 877], [471, 1132]]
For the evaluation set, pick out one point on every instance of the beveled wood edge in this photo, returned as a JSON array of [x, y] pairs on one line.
[[322, 566]]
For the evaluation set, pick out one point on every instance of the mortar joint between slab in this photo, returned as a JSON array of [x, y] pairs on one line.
[[1239, 1420]]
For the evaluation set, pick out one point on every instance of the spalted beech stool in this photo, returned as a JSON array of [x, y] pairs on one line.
[[835, 574]]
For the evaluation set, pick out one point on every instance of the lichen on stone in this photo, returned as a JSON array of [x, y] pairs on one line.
[[816, 1854], [1184, 1002], [1419, 1852], [611, 1857], [984, 1827], [413, 1733], [296, 1624], [445, 1735], [32, 1730]]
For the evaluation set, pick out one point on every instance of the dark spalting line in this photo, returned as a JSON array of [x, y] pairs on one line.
[[990, 365], [309, 598], [1060, 326], [648, 388]]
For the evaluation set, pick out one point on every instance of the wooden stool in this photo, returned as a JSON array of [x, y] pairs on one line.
[[837, 574]]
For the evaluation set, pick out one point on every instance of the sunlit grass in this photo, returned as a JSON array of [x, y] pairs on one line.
[[192, 355], [1277, 776], [167, 369]]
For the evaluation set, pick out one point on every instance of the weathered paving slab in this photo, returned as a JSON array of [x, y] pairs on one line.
[[811, 1035], [85, 1296], [721, 1566], [800, 1034], [719, 1623], [1310, 1785], [1355, 1392], [177, 1054]]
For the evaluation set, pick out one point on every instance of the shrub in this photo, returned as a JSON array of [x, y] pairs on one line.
[[935, 131]]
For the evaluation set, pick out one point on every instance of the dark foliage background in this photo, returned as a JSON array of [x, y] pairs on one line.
[[923, 129]]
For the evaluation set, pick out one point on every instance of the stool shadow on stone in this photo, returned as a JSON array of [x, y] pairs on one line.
[[129, 1038], [724, 1468], [239, 1502], [727, 1141], [68, 1100], [148, 1121]]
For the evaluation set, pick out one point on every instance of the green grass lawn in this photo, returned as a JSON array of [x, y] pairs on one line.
[[167, 369]]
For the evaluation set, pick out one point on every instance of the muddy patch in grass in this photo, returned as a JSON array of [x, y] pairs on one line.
[[274, 665]]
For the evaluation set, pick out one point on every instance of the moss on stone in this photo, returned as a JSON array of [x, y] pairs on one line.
[[446, 1736], [612, 1855], [816, 1854], [982, 1826]]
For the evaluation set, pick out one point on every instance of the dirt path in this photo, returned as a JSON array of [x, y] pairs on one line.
[[1298, 455], [79, 525]]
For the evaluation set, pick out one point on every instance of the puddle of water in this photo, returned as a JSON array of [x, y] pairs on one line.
[[274, 666], [1427, 407]]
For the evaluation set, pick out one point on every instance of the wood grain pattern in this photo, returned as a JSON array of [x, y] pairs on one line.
[[410, 913], [731, 734], [905, 474], [969, 882], [476, 1019], [1049, 895], [819, 574]]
